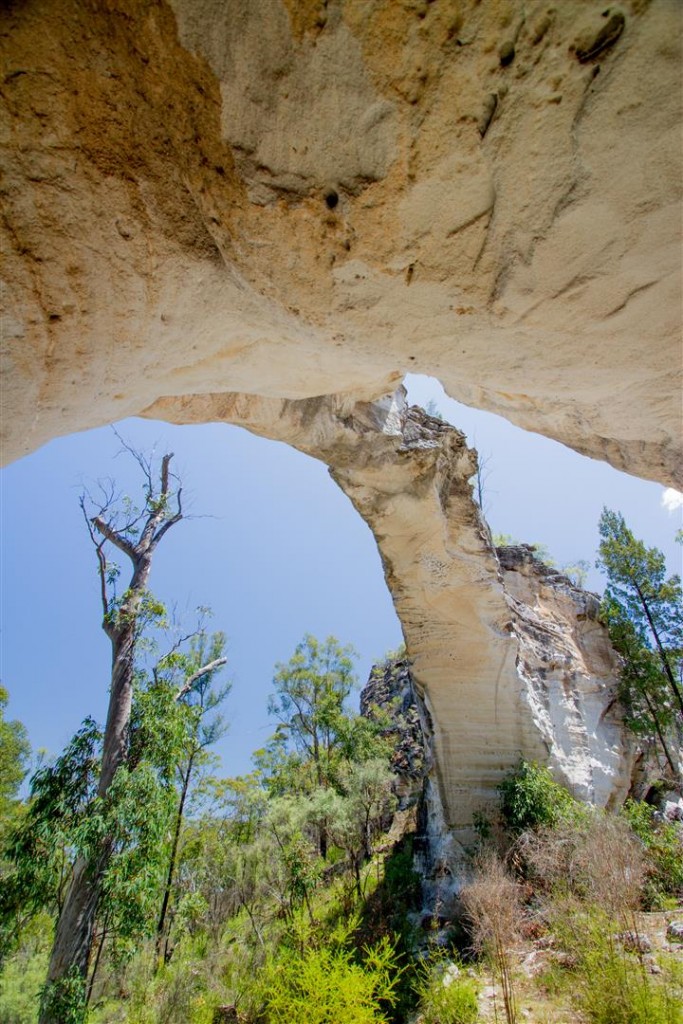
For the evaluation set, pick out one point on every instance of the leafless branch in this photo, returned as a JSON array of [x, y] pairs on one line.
[[116, 538], [191, 680], [144, 464], [101, 559]]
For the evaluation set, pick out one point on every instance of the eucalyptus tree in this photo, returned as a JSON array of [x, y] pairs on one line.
[[206, 725], [643, 609], [15, 751], [116, 526]]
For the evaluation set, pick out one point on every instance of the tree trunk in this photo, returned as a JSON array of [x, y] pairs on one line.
[[655, 720], [74, 932], [75, 927], [660, 648], [174, 852]]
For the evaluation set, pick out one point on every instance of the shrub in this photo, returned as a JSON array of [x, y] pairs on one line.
[[493, 905], [610, 985], [596, 859], [664, 851], [530, 798], [446, 997], [316, 986]]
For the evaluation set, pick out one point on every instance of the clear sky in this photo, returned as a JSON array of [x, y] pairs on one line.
[[276, 550]]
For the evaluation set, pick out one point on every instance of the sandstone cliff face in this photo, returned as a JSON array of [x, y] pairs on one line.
[[476, 660], [291, 199]]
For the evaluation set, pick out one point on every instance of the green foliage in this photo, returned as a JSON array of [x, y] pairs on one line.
[[40, 848], [530, 798], [311, 692], [321, 985], [21, 983], [14, 755], [664, 845], [610, 985], [643, 611], [66, 818], [445, 996], [64, 1000]]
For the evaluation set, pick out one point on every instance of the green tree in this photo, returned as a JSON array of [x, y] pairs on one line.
[[205, 727], [15, 752], [643, 610], [318, 737], [311, 692], [134, 533]]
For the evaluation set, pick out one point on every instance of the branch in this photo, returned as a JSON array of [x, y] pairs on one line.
[[149, 538], [169, 522], [117, 539], [189, 683], [143, 463], [102, 563]]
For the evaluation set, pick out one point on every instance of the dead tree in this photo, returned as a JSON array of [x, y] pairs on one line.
[[135, 533]]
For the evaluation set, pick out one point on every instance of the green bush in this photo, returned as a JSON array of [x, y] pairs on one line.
[[446, 997], [318, 986], [530, 798], [664, 849], [614, 989], [609, 984], [21, 981]]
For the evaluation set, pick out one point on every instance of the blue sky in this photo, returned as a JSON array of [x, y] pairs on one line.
[[274, 548]]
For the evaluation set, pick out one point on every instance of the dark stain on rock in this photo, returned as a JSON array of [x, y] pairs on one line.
[[488, 113], [507, 53]]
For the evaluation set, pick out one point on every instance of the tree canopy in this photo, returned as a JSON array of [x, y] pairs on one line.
[[643, 610]]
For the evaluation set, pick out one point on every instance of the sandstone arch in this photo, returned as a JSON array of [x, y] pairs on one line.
[[507, 219]]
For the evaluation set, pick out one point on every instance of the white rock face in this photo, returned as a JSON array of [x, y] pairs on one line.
[[570, 670], [290, 199]]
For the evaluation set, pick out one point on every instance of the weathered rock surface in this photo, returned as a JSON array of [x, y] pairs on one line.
[[295, 198], [571, 672], [389, 697], [492, 663]]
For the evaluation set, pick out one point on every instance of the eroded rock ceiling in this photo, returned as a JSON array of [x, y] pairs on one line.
[[300, 198], [268, 212]]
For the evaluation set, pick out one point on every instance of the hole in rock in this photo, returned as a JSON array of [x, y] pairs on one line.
[[331, 199], [538, 491], [275, 549]]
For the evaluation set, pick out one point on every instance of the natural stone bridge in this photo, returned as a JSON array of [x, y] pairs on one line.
[[268, 211]]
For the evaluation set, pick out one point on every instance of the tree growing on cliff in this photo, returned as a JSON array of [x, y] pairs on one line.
[[643, 610]]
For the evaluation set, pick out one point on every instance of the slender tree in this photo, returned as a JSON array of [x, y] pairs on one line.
[[206, 726], [311, 691], [644, 613], [134, 533]]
